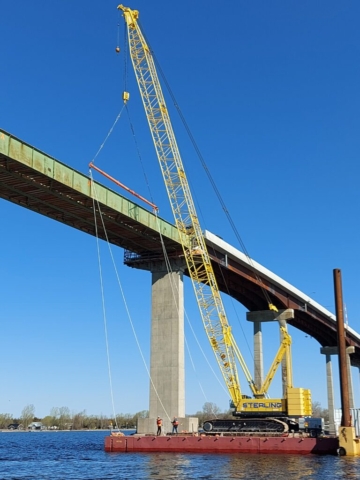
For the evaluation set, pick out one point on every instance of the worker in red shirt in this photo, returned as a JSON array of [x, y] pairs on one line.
[[159, 425], [175, 424]]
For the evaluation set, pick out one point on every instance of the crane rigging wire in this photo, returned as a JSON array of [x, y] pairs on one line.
[[166, 258], [124, 104], [168, 263], [108, 134], [125, 80], [211, 179], [128, 312], [195, 252], [169, 266], [174, 292], [139, 154], [169, 270], [219, 196], [266, 296], [99, 259], [198, 260], [219, 334], [103, 307], [95, 198]]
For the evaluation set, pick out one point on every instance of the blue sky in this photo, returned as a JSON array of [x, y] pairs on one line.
[[270, 93]]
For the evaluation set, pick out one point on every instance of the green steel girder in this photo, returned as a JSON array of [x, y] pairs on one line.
[[34, 180]]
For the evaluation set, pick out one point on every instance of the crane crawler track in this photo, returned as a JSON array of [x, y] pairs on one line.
[[246, 425]]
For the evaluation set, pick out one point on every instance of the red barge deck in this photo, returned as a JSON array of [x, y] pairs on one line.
[[222, 444]]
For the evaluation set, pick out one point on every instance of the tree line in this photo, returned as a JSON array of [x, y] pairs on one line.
[[62, 419]]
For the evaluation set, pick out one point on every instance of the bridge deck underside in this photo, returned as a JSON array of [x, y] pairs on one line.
[[241, 283], [36, 191]]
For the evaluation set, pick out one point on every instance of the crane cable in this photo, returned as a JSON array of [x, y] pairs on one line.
[[174, 290], [119, 114], [212, 181], [126, 46], [166, 257], [168, 269], [218, 194], [92, 187], [95, 198], [108, 134], [168, 265]]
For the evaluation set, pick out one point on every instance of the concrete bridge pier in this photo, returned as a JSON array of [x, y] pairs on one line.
[[258, 355], [349, 351], [328, 351], [330, 393], [167, 370], [167, 366]]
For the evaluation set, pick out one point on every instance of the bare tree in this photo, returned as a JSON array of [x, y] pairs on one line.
[[64, 418], [55, 414], [27, 415], [318, 411], [48, 421], [211, 409], [78, 420], [5, 420]]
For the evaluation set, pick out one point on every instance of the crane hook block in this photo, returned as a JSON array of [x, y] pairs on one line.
[[126, 96], [117, 49]]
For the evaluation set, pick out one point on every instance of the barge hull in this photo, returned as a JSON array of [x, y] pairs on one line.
[[212, 444]]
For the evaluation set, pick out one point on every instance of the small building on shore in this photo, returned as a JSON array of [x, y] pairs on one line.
[[36, 426], [15, 426]]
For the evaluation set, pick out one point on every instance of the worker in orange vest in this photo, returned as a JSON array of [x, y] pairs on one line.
[[159, 425], [175, 424]]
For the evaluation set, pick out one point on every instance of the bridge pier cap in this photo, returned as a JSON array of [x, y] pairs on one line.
[[270, 315], [335, 350]]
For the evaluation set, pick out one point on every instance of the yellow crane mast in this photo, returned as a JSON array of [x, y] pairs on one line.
[[194, 247]]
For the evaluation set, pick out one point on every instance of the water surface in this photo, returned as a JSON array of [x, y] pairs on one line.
[[81, 456]]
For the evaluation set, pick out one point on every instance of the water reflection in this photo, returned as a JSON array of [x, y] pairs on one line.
[[232, 466]]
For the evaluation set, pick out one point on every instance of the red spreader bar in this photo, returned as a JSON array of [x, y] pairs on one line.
[[91, 165]]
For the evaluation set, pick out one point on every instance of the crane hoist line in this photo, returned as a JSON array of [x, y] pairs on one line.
[[260, 412]]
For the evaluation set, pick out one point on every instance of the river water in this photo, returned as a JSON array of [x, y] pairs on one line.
[[81, 456]]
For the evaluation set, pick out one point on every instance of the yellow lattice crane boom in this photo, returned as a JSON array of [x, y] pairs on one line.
[[186, 220], [194, 247]]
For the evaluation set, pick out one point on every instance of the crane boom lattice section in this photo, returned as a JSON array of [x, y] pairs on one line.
[[186, 219]]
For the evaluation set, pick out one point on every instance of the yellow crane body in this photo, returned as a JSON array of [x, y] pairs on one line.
[[194, 247]]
